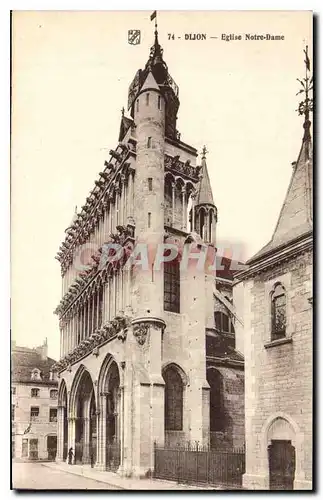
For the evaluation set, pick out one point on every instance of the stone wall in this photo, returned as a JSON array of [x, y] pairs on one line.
[[279, 377]]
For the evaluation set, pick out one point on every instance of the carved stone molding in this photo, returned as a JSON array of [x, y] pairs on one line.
[[140, 332]]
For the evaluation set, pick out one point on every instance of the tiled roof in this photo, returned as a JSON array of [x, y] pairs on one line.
[[24, 360], [295, 218], [225, 267]]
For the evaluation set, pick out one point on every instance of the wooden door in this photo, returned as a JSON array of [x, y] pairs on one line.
[[281, 465]]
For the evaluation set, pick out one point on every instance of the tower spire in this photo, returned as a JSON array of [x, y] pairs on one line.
[[305, 107]]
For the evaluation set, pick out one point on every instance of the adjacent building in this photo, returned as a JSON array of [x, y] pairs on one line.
[[273, 296], [34, 393], [147, 343]]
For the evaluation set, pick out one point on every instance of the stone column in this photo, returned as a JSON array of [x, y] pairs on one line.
[[61, 341], [86, 441], [183, 208], [60, 433], [147, 394], [93, 319], [71, 434], [89, 315], [122, 201], [173, 203], [193, 196]]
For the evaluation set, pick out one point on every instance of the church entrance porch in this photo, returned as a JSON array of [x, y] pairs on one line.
[[112, 420], [85, 421]]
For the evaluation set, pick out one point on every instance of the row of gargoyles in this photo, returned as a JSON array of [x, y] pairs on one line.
[[117, 327]]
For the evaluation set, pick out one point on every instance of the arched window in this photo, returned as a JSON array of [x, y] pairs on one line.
[[202, 223], [278, 312], [217, 416], [173, 400], [172, 286]]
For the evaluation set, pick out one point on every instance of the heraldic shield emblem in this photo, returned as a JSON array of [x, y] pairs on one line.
[[134, 37]]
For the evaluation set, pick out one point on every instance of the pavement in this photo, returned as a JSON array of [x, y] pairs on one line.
[[34, 476], [53, 476]]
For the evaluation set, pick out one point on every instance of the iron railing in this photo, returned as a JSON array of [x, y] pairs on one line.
[[193, 463]]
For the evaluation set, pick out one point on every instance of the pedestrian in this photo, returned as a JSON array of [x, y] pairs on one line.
[[70, 456], [92, 459]]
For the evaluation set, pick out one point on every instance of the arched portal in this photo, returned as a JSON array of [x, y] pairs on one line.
[[85, 415], [109, 389]]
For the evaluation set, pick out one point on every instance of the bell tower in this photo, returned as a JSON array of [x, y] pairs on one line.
[[149, 103]]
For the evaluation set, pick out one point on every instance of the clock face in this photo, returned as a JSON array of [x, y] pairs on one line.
[[133, 89]]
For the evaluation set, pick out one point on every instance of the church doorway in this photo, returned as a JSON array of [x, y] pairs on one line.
[[281, 456]]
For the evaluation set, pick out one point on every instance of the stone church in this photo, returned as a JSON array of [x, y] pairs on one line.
[[147, 336], [273, 296]]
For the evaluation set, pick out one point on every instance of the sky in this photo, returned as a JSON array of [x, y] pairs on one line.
[[70, 76]]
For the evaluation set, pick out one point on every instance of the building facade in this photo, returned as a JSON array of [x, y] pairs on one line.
[[143, 358], [34, 395], [273, 295]]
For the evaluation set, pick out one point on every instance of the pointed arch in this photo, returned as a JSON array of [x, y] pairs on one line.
[[79, 376], [105, 372], [62, 393]]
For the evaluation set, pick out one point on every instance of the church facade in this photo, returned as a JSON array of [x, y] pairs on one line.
[[148, 350]]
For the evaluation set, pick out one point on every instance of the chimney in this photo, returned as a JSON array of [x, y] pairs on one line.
[[43, 350]]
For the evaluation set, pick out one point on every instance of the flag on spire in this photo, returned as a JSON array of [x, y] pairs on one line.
[[153, 15]]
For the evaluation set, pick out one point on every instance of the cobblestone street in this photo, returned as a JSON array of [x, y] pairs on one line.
[[37, 477]]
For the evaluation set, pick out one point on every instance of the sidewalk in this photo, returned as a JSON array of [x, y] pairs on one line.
[[123, 483]]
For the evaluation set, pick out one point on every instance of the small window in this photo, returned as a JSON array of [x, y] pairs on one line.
[[150, 183], [13, 390], [53, 393], [147, 99], [149, 219], [278, 312], [159, 102], [137, 105], [34, 413], [149, 142], [12, 412], [34, 393], [53, 414]]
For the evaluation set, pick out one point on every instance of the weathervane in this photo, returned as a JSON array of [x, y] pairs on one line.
[[204, 153], [305, 107]]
